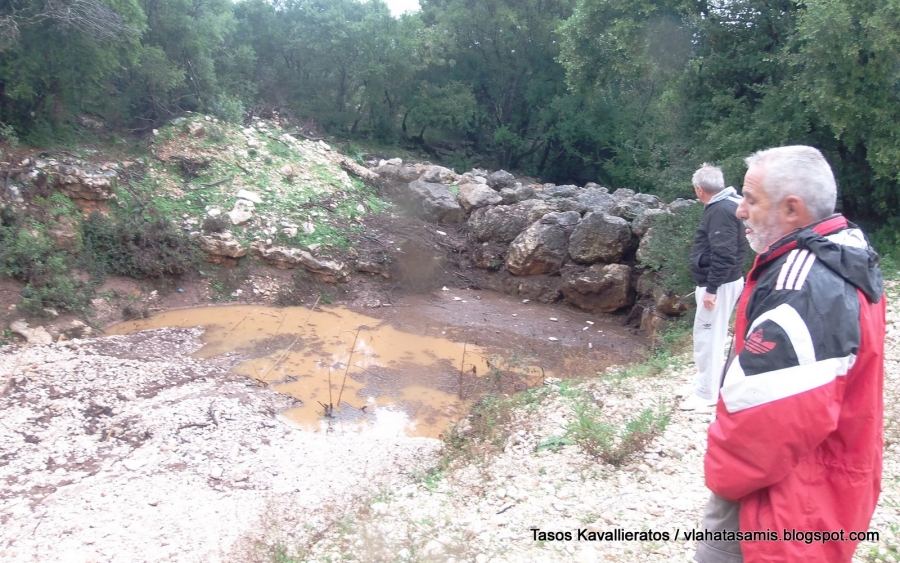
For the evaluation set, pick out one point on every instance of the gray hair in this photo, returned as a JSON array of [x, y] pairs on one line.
[[709, 178], [800, 171]]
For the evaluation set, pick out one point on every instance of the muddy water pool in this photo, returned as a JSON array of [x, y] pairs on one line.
[[364, 374], [413, 370]]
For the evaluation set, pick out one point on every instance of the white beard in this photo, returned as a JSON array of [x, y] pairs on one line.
[[762, 235]]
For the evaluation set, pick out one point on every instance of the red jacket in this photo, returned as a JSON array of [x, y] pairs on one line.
[[797, 438]]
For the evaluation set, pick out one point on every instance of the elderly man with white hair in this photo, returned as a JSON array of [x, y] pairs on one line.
[[794, 455], [717, 266]]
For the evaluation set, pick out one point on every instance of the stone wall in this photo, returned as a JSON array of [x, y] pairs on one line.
[[545, 242]]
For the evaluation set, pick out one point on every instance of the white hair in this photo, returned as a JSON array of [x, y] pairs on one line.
[[800, 171], [709, 178]]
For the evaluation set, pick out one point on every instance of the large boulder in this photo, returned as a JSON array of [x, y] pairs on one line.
[[434, 202], [623, 193], [680, 205], [285, 258], [473, 196], [541, 248], [649, 201], [221, 246], [77, 182], [396, 176], [627, 208], [599, 288], [501, 179], [498, 223], [439, 175], [646, 220], [595, 199], [600, 237], [642, 253], [561, 191]]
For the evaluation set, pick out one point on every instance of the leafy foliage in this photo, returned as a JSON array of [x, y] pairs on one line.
[[138, 246], [630, 94], [28, 254], [668, 249]]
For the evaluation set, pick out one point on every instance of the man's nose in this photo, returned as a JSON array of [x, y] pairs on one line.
[[740, 212]]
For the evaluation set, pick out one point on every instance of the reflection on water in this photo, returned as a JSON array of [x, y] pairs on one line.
[[352, 373]]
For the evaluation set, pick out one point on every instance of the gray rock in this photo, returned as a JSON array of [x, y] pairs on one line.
[[524, 192], [600, 237], [649, 201], [498, 223], [501, 179], [221, 244], [284, 258], [434, 202], [627, 209], [473, 196], [599, 288], [565, 219], [646, 220], [508, 196], [541, 248], [562, 191], [439, 175], [595, 199], [680, 204]]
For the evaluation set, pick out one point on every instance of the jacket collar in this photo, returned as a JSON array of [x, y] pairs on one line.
[[727, 193], [788, 242]]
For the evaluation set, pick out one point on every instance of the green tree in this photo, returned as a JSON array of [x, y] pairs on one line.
[[505, 52], [55, 56], [848, 65]]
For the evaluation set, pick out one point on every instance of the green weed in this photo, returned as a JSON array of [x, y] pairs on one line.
[[608, 442]]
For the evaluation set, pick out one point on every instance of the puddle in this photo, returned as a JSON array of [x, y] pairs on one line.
[[366, 375]]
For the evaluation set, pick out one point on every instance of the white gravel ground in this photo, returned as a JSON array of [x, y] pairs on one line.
[[126, 449]]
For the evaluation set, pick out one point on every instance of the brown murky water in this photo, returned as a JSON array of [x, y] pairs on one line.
[[363, 373]]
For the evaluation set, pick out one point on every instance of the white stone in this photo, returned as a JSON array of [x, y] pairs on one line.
[[250, 196]]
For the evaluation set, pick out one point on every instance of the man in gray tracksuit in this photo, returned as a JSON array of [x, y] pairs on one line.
[[717, 260]]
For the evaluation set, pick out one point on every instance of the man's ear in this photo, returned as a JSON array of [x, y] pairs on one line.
[[795, 212]]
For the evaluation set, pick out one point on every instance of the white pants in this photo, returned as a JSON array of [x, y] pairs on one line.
[[710, 332]]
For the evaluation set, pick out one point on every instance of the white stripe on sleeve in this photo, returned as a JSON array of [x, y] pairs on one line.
[[804, 272], [785, 268], [743, 392]]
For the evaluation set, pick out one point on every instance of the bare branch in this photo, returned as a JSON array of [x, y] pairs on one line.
[[89, 17]]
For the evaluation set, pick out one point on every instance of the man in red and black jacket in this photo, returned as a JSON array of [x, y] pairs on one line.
[[796, 446]]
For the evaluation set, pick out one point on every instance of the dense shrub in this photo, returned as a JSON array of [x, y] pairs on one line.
[[27, 254], [138, 246], [669, 249]]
